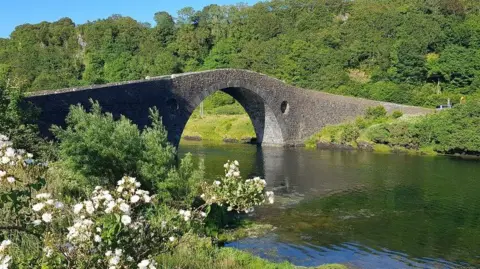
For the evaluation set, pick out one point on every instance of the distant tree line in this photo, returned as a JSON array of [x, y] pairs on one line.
[[418, 52]]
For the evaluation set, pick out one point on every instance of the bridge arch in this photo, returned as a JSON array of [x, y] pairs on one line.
[[269, 124]]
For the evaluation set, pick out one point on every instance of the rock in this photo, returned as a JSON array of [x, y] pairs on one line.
[[330, 145], [248, 140], [363, 145], [192, 138], [230, 140]]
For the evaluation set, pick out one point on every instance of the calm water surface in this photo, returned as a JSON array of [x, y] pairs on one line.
[[362, 209]]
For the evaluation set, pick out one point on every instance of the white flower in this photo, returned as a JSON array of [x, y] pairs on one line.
[[2, 173], [29, 155], [108, 253], [171, 238], [89, 207], [47, 217], [203, 214], [49, 202], [236, 163], [124, 207], [5, 244], [202, 196], [10, 152], [134, 199], [43, 196], [48, 251], [4, 261], [37, 222], [225, 165], [110, 207], [120, 189], [97, 238], [118, 252], [229, 208], [11, 179], [77, 208], [126, 219], [143, 264], [217, 182], [147, 198], [236, 174], [114, 260], [58, 205], [5, 160], [38, 207], [98, 229]]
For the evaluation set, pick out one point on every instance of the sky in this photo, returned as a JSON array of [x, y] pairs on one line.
[[17, 12]]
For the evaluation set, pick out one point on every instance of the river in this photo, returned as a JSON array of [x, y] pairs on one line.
[[362, 209]]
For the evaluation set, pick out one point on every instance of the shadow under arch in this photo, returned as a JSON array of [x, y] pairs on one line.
[[267, 128]]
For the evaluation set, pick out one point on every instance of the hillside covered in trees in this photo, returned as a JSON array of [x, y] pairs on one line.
[[417, 52]]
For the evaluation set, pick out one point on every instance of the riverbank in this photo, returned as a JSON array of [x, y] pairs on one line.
[[220, 128], [200, 253], [449, 132]]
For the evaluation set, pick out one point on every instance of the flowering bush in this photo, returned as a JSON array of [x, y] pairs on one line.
[[120, 227], [235, 193]]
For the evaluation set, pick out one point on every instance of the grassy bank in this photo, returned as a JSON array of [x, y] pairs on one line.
[[219, 127], [194, 252], [450, 132]]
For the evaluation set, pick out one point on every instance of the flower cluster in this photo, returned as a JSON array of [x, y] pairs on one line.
[[85, 235], [188, 215], [126, 197], [11, 156], [150, 264], [237, 194], [4, 258], [46, 208]]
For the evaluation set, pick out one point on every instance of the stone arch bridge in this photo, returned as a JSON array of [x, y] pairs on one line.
[[281, 114]]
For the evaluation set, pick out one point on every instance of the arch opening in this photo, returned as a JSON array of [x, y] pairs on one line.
[[255, 120]]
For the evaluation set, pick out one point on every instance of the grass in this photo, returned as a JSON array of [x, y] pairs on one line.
[[220, 127], [333, 133], [195, 252]]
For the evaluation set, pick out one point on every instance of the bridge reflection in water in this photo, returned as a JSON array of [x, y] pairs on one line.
[[364, 209]]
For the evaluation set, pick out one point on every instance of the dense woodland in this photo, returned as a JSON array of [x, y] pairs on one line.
[[418, 52]]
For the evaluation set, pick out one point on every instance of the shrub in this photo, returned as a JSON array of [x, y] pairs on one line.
[[397, 114], [350, 133], [379, 134], [453, 131], [98, 148], [403, 134], [120, 226], [375, 112]]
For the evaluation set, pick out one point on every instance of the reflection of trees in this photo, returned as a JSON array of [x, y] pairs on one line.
[[421, 206], [440, 225]]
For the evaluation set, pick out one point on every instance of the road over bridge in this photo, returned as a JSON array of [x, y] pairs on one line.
[[281, 114]]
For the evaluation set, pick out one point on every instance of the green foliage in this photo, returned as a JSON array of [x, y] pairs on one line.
[[97, 148], [455, 130], [374, 113], [406, 48], [350, 133], [397, 114]]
